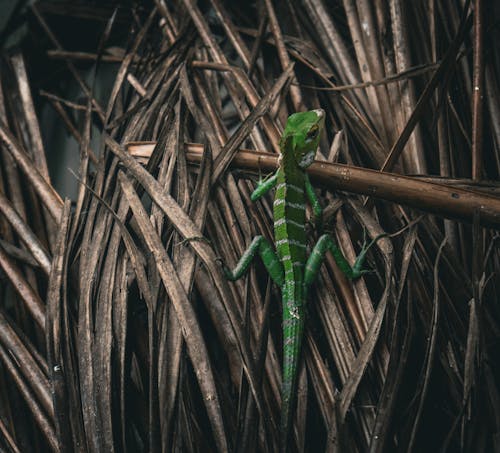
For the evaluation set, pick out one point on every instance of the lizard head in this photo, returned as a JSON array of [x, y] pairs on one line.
[[301, 135]]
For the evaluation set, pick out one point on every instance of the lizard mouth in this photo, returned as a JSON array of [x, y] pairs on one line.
[[307, 160], [319, 112]]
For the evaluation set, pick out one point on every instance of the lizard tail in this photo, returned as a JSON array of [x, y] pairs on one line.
[[292, 339]]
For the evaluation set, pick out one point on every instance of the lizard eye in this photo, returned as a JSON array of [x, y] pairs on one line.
[[312, 133]]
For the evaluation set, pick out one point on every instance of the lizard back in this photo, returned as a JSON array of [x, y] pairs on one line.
[[290, 239]]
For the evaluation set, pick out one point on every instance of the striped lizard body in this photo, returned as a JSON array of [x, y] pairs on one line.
[[287, 261], [290, 241]]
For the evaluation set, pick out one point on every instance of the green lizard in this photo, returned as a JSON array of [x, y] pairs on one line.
[[289, 266]]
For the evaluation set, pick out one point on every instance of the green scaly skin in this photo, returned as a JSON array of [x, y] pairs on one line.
[[287, 261]]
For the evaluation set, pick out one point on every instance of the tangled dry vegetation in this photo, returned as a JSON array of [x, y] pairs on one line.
[[118, 331]]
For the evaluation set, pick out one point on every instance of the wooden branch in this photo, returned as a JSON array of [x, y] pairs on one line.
[[445, 201]]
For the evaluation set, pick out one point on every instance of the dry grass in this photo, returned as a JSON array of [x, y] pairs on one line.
[[118, 330]]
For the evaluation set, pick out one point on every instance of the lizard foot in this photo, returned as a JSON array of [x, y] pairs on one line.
[[227, 272], [357, 268]]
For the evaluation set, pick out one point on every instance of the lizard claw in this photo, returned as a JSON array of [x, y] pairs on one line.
[[220, 262], [357, 273], [225, 269], [357, 268], [367, 245]]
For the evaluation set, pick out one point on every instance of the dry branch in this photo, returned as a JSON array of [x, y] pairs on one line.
[[451, 202]]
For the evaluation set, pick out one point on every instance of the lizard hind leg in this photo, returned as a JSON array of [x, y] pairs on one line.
[[268, 256], [317, 256], [325, 243]]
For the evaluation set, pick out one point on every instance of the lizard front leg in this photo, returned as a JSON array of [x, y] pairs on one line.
[[315, 205], [268, 256], [263, 187]]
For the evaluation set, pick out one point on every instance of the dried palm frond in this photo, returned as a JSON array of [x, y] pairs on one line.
[[118, 329]]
